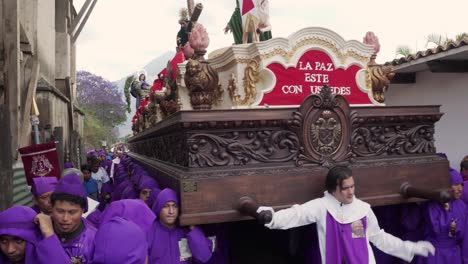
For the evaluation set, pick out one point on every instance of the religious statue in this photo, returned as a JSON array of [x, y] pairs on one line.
[[139, 89], [183, 34], [250, 21]]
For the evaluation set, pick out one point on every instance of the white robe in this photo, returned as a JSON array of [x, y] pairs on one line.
[[315, 211]]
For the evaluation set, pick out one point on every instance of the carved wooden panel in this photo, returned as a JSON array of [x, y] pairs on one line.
[[322, 124], [242, 147], [278, 156]]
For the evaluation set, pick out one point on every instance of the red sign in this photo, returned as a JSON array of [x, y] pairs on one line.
[[313, 70], [40, 161]]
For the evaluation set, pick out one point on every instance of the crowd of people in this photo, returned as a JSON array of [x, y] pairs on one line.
[[135, 221]]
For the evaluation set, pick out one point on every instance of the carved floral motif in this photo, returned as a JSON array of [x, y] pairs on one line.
[[393, 140], [250, 88], [240, 148]]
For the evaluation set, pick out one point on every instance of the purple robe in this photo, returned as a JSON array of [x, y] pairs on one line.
[[117, 193], [348, 248], [36, 208], [109, 248], [43, 185], [345, 230], [152, 199], [164, 244], [311, 245], [106, 165], [221, 250], [146, 182], [388, 220], [18, 221], [95, 218], [130, 193], [82, 247], [439, 233], [68, 165], [135, 211], [71, 184], [464, 196], [50, 251], [412, 223]]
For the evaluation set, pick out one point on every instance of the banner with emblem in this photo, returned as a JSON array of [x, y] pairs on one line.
[[40, 161]]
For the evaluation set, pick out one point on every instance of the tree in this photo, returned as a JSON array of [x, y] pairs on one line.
[[461, 36], [403, 51], [103, 105], [439, 40], [101, 98]]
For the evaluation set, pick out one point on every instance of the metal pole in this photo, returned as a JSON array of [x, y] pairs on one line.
[[35, 125]]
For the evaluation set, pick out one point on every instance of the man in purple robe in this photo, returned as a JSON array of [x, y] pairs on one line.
[[412, 226], [18, 235], [69, 202], [345, 224], [68, 165], [464, 174], [133, 210], [41, 190], [119, 240], [146, 187], [21, 240], [445, 225], [105, 198], [170, 243]]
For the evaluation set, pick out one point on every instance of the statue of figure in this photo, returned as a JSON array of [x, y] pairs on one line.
[[264, 26], [251, 26], [183, 35], [139, 89]]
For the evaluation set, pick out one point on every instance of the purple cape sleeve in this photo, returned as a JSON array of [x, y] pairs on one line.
[[200, 246], [49, 250], [464, 245]]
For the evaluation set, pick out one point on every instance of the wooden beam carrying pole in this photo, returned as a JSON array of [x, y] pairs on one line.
[[76, 34]]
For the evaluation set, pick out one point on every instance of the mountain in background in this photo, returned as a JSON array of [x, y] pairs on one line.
[[152, 69]]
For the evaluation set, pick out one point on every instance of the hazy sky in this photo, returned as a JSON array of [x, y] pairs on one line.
[[122, 36]]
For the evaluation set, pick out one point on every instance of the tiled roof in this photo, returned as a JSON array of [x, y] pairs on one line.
[[426, 53]]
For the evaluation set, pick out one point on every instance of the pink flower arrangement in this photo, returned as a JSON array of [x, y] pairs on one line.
[[372, 39], [199, 39]]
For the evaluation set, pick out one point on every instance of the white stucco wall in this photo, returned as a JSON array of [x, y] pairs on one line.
[[450, 90]]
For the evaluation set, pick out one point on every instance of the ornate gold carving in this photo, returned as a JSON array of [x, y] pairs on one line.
[[250, 88], [218, 95], [152, 118], [202, 81], [378, 78], [232, 88], [314, 41], [326, 133], [323, 123]]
